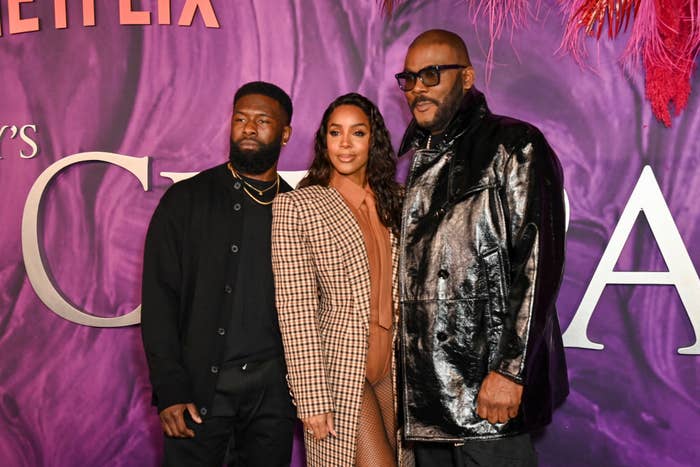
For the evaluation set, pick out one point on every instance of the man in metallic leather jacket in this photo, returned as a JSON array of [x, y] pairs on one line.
[[482, 253]]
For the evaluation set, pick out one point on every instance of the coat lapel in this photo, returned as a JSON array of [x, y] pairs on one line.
[[348, 236]]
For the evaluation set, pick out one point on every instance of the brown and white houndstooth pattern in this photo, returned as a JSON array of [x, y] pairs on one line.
[[323, 292]]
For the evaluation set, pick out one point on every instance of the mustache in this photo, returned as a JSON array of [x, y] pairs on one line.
[[423, 99]]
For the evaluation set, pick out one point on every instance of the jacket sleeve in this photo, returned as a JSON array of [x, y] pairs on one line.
[[534, 209], [161, 304], [296, 291]]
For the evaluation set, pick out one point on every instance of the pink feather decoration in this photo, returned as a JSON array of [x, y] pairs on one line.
[[500, 14], [668, 54], [591, 17], [665, 36]]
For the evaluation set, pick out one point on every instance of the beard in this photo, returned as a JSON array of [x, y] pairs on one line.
[[255, 161], [445, 109]]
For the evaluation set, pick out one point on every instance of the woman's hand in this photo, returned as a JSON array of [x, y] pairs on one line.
[[320, 426]]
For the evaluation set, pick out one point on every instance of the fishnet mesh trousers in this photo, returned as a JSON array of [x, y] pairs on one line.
[[376, 431]]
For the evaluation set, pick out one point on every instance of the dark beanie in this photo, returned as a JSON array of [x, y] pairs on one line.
[[266, 89]]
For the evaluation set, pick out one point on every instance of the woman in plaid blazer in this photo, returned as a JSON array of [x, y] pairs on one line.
[[334, 256]]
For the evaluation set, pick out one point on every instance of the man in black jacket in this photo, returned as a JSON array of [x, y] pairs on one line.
[[482, 254], [209, 320]]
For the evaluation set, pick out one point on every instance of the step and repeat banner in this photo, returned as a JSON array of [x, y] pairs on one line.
[[105, 103]]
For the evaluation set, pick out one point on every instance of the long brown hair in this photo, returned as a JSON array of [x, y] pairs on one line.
[[381, 166]]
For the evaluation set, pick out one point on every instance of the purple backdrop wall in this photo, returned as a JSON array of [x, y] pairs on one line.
[[79, 395]]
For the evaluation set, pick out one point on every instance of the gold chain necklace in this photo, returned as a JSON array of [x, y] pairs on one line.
[[260, 192]]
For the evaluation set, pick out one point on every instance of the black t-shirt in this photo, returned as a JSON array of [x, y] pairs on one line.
[[253, 331]]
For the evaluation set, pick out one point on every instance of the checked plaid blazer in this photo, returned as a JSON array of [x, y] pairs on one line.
[[323, 295]]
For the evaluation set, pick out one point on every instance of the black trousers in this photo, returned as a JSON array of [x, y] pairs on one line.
[[251, 424], [515, 451]]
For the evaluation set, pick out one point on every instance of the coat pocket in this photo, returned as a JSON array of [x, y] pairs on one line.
[[496, 308], [493, 270]]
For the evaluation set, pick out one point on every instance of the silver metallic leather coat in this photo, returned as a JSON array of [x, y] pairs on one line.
[[482, 254]]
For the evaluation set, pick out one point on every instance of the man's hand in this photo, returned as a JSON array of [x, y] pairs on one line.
[[319, 426], [499, 398], [172, 420]]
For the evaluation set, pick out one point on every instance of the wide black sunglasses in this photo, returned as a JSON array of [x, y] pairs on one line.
[[430, 76]]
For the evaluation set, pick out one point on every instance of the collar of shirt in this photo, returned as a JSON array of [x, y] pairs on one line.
[[353, 193]]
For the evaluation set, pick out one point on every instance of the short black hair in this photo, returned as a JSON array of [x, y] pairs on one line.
[[269, 90]]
